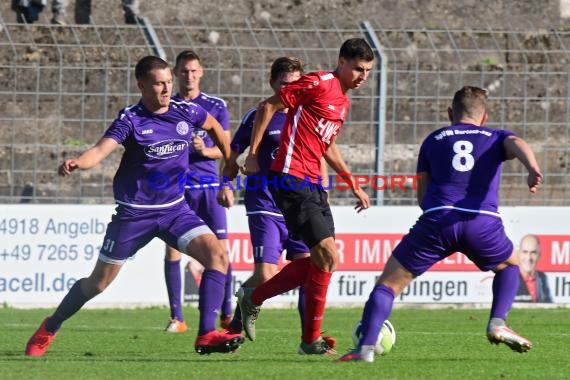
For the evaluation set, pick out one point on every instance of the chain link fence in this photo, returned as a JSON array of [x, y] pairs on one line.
[[60, 87]]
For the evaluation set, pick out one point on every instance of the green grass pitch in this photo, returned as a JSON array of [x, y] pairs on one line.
[[431, 344]]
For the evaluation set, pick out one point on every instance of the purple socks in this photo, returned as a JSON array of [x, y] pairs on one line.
[[211, 297], [174, 288], [505, 286], [376, 311], [71, 303]]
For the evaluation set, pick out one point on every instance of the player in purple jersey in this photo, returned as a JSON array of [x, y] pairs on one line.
[[459, 168], [269, 235], [202, 178], [156, 134]]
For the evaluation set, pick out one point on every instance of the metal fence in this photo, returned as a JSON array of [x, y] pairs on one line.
[[60, 87]]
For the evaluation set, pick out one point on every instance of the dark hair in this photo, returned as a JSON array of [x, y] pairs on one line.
[[285, 65], [146, 64], [187, 55], [469, 101], [356, 48]]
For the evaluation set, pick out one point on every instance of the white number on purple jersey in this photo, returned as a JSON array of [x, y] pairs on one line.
[[463, 161]]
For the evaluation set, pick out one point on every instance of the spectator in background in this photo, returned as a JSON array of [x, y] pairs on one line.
[[130, 8], [28, 11], [83, 11], [533, 286], [132, 13], [58, 10]]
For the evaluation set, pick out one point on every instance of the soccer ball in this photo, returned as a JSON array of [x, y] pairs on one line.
[[386, 339]]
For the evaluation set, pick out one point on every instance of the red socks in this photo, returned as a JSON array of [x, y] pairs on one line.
[[316, 282], [290, 277], [316, 287]]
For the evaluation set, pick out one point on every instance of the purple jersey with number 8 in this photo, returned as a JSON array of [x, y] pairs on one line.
[[464, 162]]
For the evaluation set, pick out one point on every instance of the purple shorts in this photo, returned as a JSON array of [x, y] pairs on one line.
[[269, 237], [206, 206], [438, 234], [131, 229]]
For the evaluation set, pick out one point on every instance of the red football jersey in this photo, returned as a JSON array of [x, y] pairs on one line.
[[317, 110]]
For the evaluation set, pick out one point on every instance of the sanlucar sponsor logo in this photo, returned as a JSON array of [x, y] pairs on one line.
[[166, 149]]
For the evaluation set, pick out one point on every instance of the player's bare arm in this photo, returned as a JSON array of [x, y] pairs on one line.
[[212, 152], [90, 157], [230, 168], [325, 183], [225, 196], [515, 147], [423, 182], [334, 158], [265, 112], [221, 138]]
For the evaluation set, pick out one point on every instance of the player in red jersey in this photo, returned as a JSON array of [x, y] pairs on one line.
[[317, 107]]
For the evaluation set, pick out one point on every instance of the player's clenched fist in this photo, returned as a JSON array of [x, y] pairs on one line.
[[534, 180], [67, 167], [198, 144]]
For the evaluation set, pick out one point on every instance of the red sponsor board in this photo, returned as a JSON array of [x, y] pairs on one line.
[[370, 252], [240, 251], [365, 251]]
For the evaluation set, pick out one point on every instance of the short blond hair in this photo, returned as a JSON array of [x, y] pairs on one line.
[[470, 101]]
